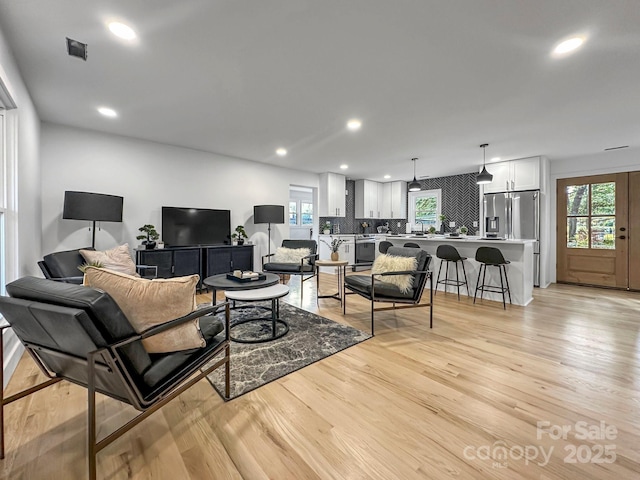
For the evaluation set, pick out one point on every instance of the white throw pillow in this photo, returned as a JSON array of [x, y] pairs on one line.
[[117, 259], [392, 263], [291, 255]]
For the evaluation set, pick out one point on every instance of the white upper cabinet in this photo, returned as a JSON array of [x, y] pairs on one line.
[[394, 200], [514, 175], [366, 201], [331, 195]]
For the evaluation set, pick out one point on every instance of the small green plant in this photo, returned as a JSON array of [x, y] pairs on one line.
[[442, 217], [463, 230], [239, 234], [94, 263], [149, 234], [335, 243], [432, 229]]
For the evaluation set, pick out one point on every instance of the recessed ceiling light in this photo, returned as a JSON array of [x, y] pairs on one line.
[[354, 124], [568, 46], [387, 176], [107, 112], [495, 159], [121, 30], [344, 166], [281, 152]]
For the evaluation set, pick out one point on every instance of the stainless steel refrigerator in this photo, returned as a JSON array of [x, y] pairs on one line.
[[518, 216]]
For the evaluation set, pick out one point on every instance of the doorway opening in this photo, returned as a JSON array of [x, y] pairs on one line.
[[302, 214]]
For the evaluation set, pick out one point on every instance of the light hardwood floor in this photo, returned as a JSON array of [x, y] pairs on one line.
[[411, 403]]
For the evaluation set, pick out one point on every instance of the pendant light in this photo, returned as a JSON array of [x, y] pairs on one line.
[[484, 176], [414, 186]]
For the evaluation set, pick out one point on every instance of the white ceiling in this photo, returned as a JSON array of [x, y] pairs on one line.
[[428, 78]]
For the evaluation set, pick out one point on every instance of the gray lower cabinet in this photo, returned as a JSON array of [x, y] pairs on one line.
[[204, 261]]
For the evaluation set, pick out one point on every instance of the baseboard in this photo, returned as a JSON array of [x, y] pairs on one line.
[[12, 353]]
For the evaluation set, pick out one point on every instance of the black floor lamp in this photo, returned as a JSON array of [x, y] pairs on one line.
[[268, 214], [95, 207]]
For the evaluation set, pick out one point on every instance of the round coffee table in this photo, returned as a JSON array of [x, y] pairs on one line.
[[221, 282], [273, 293]]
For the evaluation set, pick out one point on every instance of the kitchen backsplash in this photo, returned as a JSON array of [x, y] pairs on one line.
[[460, 203]]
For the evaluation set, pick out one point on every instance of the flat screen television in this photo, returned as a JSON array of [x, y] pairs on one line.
[[182, 227]]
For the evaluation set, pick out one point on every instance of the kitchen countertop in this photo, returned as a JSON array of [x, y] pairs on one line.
[[461, 239]]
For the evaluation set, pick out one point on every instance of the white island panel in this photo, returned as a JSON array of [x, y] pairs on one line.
[[519, 271]]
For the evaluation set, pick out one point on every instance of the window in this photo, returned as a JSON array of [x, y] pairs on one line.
[[293, 213], [306, 209], [591, 216], [424, 208]]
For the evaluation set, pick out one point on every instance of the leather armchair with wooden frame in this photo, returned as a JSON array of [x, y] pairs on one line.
[[81, 335]]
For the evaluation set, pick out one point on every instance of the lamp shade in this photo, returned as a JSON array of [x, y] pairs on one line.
[[414, 186], [268, 214], [97, 207], [484, 177]]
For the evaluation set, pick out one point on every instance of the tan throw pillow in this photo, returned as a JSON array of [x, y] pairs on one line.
[[291, 255], [147, 303], [117, 259], [392, 263]]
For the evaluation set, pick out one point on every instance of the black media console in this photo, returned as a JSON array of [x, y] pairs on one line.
[[205, 260]]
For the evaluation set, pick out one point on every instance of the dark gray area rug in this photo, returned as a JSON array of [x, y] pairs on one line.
[[310, 338]]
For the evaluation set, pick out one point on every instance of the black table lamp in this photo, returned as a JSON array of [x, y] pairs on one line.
[[268, 214], [96, 207]]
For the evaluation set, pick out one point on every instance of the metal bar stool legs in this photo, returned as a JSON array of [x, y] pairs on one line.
[[492, 257]]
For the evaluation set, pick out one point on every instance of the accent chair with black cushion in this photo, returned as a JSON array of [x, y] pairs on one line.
[[80, 334], [383, 287], [303, 265], [63, 266]]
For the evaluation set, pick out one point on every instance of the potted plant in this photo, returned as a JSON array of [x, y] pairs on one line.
[[326, 228], [432, 230], [463, 230], [442, 226], [239, 235], [149, 236], [334, 246]]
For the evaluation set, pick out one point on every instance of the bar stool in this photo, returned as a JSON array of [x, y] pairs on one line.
[[384, 246], [411, 245], [492, 257], [446, 254]]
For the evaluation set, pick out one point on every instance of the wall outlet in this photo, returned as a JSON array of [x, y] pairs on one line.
[[399, 225], [475, 224], [452, 224]]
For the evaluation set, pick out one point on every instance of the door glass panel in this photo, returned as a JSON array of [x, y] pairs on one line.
[[603, 232], [293, 213], [603, 198], [306, 210], [577, 200], [577, 232]]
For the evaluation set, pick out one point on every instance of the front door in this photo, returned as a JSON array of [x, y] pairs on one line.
[[593, 225]]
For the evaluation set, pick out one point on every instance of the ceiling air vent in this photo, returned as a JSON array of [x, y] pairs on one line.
[[77, 49]]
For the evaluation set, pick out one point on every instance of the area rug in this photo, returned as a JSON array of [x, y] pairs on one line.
[[310, 338]]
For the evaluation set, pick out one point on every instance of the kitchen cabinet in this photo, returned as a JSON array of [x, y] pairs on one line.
[[366, 201], [331, 197], [394, 200], [514, 175]]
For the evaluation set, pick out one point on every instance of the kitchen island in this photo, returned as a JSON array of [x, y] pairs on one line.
[[518, 252]]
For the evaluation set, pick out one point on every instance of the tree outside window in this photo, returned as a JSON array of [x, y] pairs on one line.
[[424, 209], [591, 211]]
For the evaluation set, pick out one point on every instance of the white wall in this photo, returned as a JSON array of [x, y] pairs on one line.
[[151, 175], [23, 213], [615, 161]]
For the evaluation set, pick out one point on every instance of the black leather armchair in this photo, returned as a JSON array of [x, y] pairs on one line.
[[79, 334], [63, 266], [375, 289], [305, 268]]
